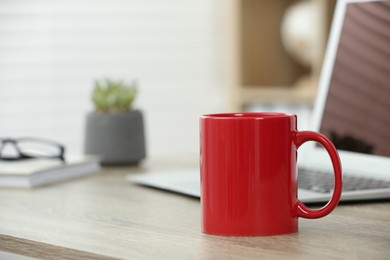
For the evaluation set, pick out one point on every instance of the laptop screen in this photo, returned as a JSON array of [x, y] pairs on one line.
[[357, 110]]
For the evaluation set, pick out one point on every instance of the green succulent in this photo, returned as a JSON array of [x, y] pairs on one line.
[[113, 96]]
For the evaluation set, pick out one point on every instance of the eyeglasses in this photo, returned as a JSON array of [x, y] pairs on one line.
[[29, 148]]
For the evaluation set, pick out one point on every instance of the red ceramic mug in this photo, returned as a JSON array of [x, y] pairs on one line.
[[249, 174]]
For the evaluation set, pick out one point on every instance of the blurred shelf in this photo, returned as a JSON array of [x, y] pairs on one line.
[[258, 68], [269, 94]]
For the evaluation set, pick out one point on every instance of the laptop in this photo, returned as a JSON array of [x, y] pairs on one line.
[[352, 108]]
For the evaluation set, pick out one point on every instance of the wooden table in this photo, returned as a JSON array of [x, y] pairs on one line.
[[104, 216]]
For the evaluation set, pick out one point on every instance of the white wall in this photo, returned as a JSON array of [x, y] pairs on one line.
[[52, 50]]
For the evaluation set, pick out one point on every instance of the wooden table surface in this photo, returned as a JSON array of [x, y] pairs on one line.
[[103, 216]]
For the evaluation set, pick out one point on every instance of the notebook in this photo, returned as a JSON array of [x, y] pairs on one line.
[[36, 172], [352, 108]]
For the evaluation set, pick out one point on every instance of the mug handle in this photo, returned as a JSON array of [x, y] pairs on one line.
[[302, 210]]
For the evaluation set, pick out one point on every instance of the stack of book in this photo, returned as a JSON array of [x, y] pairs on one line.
[[35, 172]]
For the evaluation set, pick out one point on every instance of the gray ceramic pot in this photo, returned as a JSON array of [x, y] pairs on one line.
[[119, 138]]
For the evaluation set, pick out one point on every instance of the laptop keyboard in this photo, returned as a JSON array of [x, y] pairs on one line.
[[323, 182]]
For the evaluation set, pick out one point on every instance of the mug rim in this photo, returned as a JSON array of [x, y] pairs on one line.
[[248, 115]]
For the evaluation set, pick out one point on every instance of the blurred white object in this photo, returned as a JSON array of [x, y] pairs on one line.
[[300, 29]]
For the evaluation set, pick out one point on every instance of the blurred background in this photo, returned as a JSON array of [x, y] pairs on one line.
[[189, 58]]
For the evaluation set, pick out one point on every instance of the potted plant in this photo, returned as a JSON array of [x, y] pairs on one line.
[[115, 130]]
